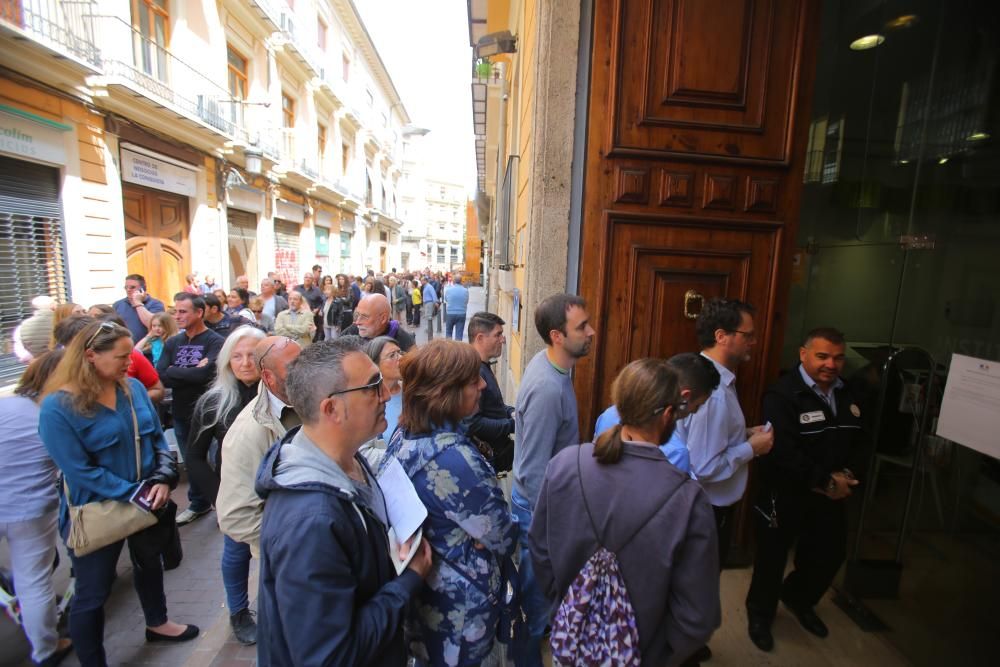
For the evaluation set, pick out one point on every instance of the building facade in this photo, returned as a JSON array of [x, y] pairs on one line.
[[444, 213], [165, 137], [832, 163]]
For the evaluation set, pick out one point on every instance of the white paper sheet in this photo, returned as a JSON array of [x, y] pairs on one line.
[[406, 512], [970, 410]]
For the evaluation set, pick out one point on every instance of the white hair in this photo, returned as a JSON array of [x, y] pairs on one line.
[[224, 394]]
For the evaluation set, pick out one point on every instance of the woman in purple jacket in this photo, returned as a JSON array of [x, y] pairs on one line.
[[664, 535]]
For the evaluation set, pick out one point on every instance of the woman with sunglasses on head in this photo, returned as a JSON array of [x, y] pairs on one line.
[[234, 387], [93, 420], [468, 524], [621, 493]]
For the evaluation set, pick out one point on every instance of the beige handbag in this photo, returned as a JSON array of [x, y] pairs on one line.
[[98, 524]]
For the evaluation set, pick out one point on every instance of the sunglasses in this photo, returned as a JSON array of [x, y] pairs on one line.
[[374, 386], [105, 326]]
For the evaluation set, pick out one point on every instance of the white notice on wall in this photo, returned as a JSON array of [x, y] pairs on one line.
[[153, 173], [970, 411]]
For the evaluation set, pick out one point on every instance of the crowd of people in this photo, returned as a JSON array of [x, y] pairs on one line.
[[289, 406]]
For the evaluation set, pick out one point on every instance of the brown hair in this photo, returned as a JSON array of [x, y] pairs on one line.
[[32, 382], [74, 370], [166, 321], [433, 378], [63, 311], [641, 392]]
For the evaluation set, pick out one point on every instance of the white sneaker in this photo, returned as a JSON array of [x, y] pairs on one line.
[[187, 516]]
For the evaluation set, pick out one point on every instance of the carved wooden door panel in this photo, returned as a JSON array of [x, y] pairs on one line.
[[695, 145], [156, 239]]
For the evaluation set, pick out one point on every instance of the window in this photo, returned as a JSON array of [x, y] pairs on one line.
[[347, 68], [440, 254], [287, 111], [345, 157], [320, 143], [320, 34], [237, 82], [151, 20], [454, 254]]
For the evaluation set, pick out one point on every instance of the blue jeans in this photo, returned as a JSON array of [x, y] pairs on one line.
[[235, 572], [455, 326], [537, 608], [95, 573], [197, 501]]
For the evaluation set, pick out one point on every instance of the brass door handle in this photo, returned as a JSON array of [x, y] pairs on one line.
[[689, 297]]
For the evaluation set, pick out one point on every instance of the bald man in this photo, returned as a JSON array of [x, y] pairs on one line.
[[372, 319], [264, 421]]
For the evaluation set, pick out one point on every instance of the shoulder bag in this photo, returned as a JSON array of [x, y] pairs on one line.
[[96, 525]]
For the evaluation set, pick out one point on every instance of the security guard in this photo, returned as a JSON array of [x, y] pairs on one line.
[[804, 481]]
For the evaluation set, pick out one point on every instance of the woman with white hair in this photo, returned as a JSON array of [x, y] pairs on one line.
[[235, 386]]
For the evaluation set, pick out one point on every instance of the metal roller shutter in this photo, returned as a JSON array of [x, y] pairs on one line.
[[286, 252], [32, 252]]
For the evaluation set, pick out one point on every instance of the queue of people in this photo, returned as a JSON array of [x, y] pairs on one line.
[[305, 426]]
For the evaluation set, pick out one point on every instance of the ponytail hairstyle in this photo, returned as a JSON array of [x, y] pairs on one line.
[[641, 392]]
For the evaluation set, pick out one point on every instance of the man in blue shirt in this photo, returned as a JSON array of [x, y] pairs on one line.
[[456, 302], [137, 308], [698, 379], [430, 301]]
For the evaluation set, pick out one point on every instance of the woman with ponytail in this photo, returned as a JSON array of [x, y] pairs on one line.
[[623, 494]]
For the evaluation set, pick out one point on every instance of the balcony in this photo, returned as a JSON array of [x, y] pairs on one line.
[[269, 11], [136, 68], [303, 55], [60, 28]]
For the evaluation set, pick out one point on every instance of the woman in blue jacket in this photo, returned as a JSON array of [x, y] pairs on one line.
[[86, 423], [468, 523]]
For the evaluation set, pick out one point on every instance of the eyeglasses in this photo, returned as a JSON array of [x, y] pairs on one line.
[[396, 354], [374, 386], [749, 335], [105, 326], [260, 362], [679, 408], [361, 317]]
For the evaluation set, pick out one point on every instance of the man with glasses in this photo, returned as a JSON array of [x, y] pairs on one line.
[[138, 307], [372, 319], [698, 379], [187, 366], [717, 438], [328, 588]]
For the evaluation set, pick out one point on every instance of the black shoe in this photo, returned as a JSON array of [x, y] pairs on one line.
[[809, 620], [760, 634], [56, 657], [191, 632], [244, 627]]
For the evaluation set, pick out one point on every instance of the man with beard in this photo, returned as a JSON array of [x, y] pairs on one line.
[[371, 320], [545, 423]]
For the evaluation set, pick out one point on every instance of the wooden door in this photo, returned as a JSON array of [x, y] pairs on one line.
[[695, 144], [156, 239]]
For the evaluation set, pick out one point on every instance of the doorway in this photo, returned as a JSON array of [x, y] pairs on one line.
[[156, 239]]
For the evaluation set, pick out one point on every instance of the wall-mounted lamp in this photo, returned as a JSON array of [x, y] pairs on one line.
[[495, 43], [254, 163], [413, 131]]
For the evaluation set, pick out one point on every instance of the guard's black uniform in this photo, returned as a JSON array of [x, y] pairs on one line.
[[810, 443]]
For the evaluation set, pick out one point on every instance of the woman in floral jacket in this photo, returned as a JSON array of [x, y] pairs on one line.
[[468, 523]]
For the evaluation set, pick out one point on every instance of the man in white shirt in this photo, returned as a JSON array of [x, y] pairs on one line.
[[717, 437]]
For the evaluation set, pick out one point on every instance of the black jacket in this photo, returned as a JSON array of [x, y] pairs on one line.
[[206, 427], [810, 442], [403, 338], [494, 423]]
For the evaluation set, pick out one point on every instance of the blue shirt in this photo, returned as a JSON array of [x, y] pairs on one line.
[[456, 298], [393, 408], [96, 453], [716, 439], [29, 475], [429, 295], [675, 451], [132, 321], [829, 399]]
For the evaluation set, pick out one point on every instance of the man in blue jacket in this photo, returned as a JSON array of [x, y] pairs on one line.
[[329, 594]]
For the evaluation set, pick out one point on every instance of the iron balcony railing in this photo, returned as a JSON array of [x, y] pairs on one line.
[[165, 78], [65, 26]]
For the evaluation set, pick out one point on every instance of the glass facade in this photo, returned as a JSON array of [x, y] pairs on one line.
[[898, 246]]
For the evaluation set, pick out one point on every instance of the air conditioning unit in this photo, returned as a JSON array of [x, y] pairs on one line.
[[288, 25]]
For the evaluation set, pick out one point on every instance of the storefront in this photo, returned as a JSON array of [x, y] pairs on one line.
[[32, 249], [244, 206], [897, 245], [288, 219]]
